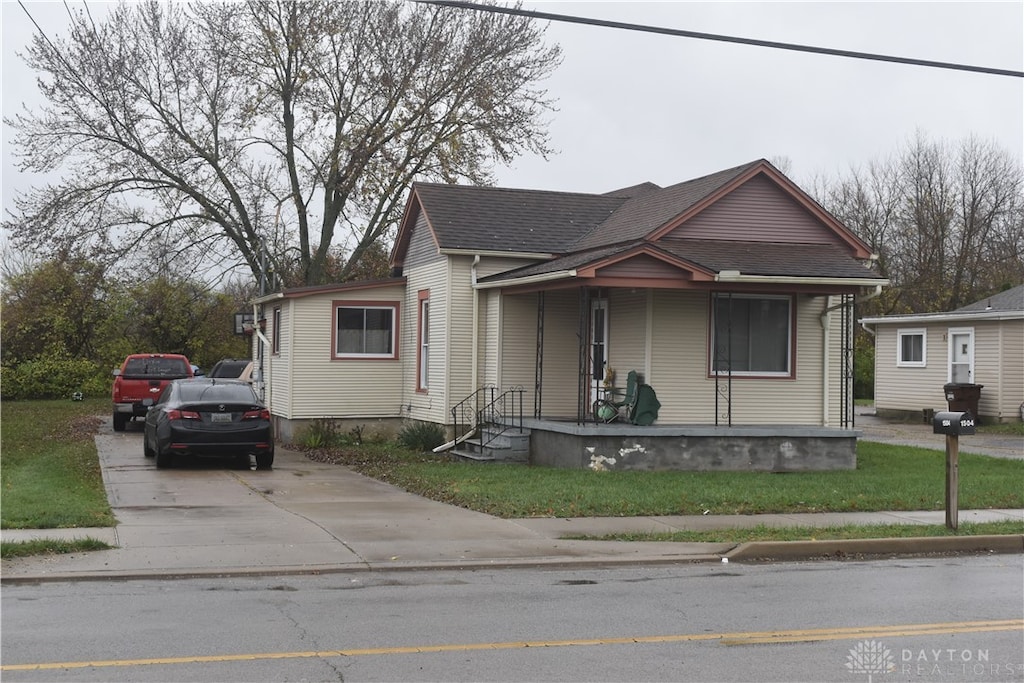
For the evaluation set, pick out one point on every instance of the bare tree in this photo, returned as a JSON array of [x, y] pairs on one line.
[[946, 221], [295, 128]]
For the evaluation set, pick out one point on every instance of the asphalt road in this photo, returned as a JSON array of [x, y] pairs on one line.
[[947, 619]]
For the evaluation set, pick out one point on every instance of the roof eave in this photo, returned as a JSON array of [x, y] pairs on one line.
[[528, 280], [736, 277], [919, 318], [533, 255]]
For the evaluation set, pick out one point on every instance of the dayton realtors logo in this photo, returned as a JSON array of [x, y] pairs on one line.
[[873, 658], [870, 657]]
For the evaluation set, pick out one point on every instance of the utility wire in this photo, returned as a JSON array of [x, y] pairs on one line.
[[459, 4]]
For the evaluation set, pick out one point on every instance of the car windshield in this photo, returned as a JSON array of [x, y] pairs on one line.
[[156, 367], [190, 392], [233, 368]]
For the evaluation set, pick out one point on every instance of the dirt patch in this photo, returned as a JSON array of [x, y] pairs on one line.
[[78, 428]]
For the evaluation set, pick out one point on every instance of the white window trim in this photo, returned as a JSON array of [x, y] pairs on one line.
[[790, 360], [424, 341], [367, 307], [912, 332]]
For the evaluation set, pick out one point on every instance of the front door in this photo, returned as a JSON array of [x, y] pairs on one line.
[[598, 345], [961, 356]]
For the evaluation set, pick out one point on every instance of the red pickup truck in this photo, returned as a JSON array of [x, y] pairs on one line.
[[140, 380]]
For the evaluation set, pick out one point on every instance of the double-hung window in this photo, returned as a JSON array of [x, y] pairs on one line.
[[910, 348], [752, 335], [423, 369], [365, 330]]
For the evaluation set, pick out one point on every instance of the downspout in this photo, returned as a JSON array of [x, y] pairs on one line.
[[474, 372], [826, 324]]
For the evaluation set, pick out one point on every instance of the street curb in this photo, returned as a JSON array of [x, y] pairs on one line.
[[767, 551], [362, 568], [757, 551]]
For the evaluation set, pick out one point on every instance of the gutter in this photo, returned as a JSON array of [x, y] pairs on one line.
[[738, 277], [529, 280]]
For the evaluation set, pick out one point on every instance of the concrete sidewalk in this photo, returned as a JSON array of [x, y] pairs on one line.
[[309, 517]]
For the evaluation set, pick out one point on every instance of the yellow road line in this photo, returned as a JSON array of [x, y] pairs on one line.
[[743, 638]]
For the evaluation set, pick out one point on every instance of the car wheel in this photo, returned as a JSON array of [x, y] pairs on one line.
[[163, 459], [119, 422], [265, 461], [146, 450]]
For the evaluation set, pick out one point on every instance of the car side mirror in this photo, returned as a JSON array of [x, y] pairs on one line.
[[116, 372]]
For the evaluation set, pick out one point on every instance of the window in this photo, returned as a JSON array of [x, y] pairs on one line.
[[910, 348], [423, 369], [365, 331], [751, 335], [276, 332]]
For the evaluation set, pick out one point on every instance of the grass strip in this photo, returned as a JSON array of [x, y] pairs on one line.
[[802, 533], [43, 546]]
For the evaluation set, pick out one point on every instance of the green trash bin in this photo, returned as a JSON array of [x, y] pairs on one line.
[[963, 397]]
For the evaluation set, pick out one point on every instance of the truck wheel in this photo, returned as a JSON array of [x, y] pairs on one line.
[[119, 422]]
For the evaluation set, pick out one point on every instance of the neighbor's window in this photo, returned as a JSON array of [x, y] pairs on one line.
[[276, 332], [751, 335], [423, 370], [910, 348], [365, 331]]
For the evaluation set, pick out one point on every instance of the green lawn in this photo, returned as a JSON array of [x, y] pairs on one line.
[[48, 465], [887, 478]]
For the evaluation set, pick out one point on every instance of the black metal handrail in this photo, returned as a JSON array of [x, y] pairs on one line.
[[487, 406]]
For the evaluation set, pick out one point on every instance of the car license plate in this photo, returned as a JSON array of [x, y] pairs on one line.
[[220, 417]]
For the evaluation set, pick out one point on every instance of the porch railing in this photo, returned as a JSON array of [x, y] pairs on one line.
[[488, 405]]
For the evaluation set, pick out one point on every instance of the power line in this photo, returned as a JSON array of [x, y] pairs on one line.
[[458, 4]]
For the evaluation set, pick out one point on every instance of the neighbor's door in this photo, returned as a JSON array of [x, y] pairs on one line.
[[961, 356], [598, 345]]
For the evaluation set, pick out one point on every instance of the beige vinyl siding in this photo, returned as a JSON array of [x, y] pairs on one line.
[[492, 265], [422, 247], [490, 303], [910, 388], [459, 360], [518, 346], [679, 368], [999, 366], [326, 387], [277, 368], [429, 406], [561, 380], [627, 333], [1011, 374]]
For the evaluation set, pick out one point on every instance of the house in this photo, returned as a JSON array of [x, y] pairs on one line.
[[731, 295], [980, 344]]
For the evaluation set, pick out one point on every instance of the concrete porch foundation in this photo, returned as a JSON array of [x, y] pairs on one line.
[[702, 448]]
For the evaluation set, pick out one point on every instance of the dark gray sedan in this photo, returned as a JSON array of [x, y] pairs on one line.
[[209, 417]]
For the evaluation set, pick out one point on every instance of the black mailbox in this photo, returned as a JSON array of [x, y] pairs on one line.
[[953, 424]]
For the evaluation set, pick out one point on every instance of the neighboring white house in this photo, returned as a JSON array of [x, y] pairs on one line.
[[732, 295], [980, 344]]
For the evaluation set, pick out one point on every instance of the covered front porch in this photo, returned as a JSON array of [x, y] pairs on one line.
[[734, 394]]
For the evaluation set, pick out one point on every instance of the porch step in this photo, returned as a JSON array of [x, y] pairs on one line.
[[512, 446]]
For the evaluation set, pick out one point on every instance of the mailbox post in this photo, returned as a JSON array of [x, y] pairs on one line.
[[953, 425]]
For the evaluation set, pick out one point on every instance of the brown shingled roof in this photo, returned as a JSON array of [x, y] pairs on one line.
[[496, 219]]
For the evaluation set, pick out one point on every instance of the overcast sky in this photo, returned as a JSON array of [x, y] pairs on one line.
[[637, 107]]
